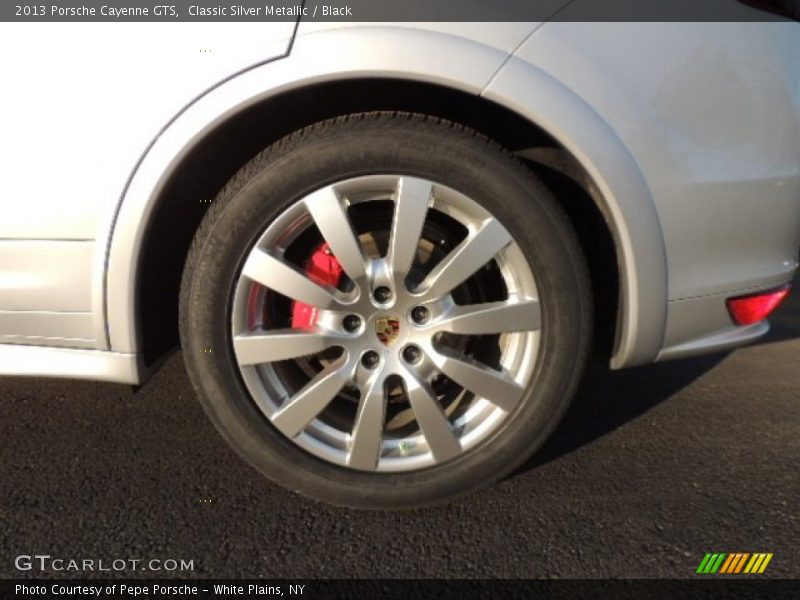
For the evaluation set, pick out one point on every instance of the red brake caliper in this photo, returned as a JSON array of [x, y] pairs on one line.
[[322, 268]]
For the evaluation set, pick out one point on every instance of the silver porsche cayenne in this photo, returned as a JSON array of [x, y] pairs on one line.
[[388, 250]]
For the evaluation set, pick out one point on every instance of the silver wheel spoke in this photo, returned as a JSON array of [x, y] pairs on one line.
[[432, 421], [411, 208], [256, 348], [491, 317], [367, 437], [330, 215], [312, 399], [469, 256], [283, 278], [497, 387]]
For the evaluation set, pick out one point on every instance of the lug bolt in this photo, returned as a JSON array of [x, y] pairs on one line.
[[370, 359], [351, 322], [382, 294], [420, 314], [412, 354]]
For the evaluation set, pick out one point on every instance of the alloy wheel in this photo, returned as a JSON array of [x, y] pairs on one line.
[[412, 345]]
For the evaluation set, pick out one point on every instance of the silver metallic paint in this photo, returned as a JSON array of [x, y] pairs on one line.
[[72, 363], [317, 57], [690, 131]]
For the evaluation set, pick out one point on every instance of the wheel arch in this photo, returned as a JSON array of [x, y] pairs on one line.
[[611, 176], [170, 191]]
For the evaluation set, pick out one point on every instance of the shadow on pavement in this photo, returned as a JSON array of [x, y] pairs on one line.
[[609, 399]]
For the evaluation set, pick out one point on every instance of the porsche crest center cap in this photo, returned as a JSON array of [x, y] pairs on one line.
[[387, 329]]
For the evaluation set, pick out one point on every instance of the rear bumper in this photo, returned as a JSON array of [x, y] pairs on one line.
[[703, 325]]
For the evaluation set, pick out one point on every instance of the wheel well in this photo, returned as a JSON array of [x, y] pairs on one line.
[[216, 157]]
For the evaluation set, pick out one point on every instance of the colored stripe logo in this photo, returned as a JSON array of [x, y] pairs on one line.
[[734, 562]]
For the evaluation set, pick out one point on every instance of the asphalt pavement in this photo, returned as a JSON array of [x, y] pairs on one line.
[[652, 468]]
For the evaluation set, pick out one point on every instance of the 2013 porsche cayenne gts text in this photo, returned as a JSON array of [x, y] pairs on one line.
[[387, 251]]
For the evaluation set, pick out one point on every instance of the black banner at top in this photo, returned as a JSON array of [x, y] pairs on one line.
[[399, 10]]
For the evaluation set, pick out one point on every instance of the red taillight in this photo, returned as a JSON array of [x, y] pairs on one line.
[[746, 310]]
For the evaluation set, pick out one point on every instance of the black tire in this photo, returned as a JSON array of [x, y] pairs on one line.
[[359, 145]]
